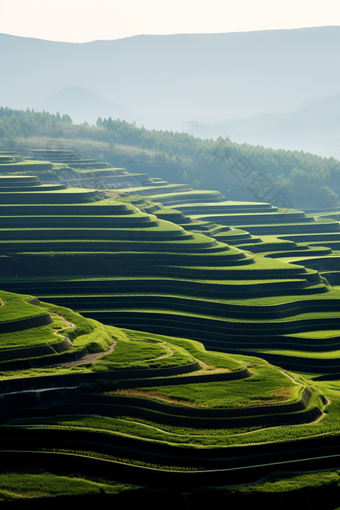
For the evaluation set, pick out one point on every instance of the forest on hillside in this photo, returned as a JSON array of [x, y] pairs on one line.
[[239, 171]]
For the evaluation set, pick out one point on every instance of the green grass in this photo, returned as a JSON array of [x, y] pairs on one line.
[[317, 334], [281, 482], [89, 334], [14, 307], [134, 352], [43, 335], [211, 359], [331, 354], [30, 484], [196, 437], [266, 386]]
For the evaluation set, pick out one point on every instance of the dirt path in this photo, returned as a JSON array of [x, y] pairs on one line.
[[328, 401], [70, 325], [289, 377], [87, 358]]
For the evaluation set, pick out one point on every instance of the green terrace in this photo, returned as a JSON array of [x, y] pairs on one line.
[[206, 325], [139, 264], [146, 401], [15, 308], [274, 246], [68, 157], [188, 196], [143, 399], [32, 334], [23, 189]]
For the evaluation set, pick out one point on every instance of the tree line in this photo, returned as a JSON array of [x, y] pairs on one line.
[[178, 156]]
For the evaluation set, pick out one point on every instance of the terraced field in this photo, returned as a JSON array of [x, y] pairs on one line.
[[207, 324], [124, 402]]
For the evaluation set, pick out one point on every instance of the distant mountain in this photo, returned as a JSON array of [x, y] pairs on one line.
[[314, 128], [325, 108], [84, 105], [169, 79]]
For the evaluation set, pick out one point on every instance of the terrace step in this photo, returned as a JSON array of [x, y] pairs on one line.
[[65, 210], [18, 180], [52, 197]]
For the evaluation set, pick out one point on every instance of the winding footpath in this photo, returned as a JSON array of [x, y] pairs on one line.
[[87, 358]]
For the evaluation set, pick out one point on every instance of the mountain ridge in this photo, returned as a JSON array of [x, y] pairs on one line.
[[76, 99]]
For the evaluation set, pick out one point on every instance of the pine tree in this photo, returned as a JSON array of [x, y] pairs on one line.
[[185, 177]]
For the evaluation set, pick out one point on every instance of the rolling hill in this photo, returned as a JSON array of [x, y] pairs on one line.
[[84, 105]]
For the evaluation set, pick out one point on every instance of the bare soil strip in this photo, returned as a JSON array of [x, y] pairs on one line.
[[86, 359]]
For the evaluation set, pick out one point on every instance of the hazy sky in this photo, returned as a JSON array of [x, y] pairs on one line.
[[88, 20]]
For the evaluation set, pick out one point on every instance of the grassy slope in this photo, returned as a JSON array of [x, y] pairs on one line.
[[15, 307], [143, 351]]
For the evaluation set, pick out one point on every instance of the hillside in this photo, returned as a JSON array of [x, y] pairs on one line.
[[245, 172], [148, 327], [179, 261], [138, 403]]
